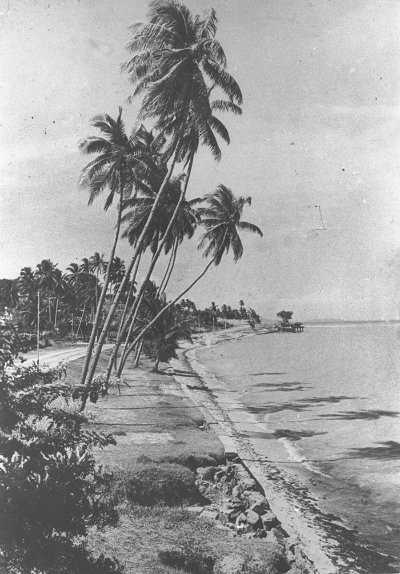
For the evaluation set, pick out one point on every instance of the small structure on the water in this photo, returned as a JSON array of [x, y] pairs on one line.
[[286, 326]]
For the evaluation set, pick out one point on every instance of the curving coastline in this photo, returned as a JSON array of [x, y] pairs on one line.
[[329, 544]]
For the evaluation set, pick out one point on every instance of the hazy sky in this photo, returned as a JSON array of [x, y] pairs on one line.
[[320, 80]]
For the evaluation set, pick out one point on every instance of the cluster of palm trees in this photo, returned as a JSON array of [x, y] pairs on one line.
[[179, 70], [64, 302]]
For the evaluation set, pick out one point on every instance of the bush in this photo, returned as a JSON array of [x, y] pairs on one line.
[[50, 487], [189, 555], [151, 484]]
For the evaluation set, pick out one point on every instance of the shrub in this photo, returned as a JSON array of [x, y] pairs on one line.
[[189, 555], [50, 487], [151, 484]]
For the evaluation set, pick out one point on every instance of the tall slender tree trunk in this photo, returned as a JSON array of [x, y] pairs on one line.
[[55, 318], [135, 308], [102, 296], [118, 341], [89, 369], [172, 266], [138, 353], [142, 333], [80, 322], [161, 287], [130, 326]]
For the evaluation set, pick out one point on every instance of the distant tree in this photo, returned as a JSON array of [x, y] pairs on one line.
[[285, 316], [9, 296]]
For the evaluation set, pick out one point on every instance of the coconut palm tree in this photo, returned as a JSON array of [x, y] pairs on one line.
[[46, 273], [9, 296], [113, 169], [162, 339], [169, 231], [222, 219], [176, 63], [28, 283]]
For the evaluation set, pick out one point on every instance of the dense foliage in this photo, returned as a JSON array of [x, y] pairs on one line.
[[50, 487]]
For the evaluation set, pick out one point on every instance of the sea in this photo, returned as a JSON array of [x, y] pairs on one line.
[[325, 404]]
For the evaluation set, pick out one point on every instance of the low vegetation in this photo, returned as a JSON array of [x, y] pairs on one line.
[[51, 489]]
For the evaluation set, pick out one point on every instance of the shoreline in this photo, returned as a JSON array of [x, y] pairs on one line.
[[330, 544]]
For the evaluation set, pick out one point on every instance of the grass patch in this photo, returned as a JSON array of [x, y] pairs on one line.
[[163, 540], [151, 484]]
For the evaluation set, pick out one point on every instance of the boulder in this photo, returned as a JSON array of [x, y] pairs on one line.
[[210, 514], [237, 491], [253, 519], [248, 483], [269, 520]]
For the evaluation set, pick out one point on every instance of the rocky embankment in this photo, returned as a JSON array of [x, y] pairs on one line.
[[239, 506]]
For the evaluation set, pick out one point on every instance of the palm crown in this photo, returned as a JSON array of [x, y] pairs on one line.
[[222, 220], [177, 62]]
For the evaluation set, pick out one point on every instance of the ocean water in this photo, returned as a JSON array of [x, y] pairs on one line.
[[326, 404]]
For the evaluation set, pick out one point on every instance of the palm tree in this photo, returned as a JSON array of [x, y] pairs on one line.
[[113, 169], [97, 264], [9, 296], [28, 283], [169, 232], [85, 266], [176, 64], [163, 337], [222, 220], [47, 275]]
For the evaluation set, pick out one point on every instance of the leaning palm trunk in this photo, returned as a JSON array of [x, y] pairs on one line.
[[136, 305], [167, 272], [138, 353], [89, 370], [117, 344], [102, 299], [172, 266], [80, 322], [144, 331]]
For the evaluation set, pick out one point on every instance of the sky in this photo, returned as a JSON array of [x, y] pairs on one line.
[[319, 135]]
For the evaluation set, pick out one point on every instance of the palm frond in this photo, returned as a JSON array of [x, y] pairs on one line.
[[224, 80], [226, 106], [250, 227]]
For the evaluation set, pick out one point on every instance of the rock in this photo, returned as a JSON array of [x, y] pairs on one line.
[[256, 497], [269, 520], [260, 507], [219, 475], [194, 510], [237, 491], [248, 483], [244, 528], [207, 472], [210, 514], [241, 519], [253, 518]]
